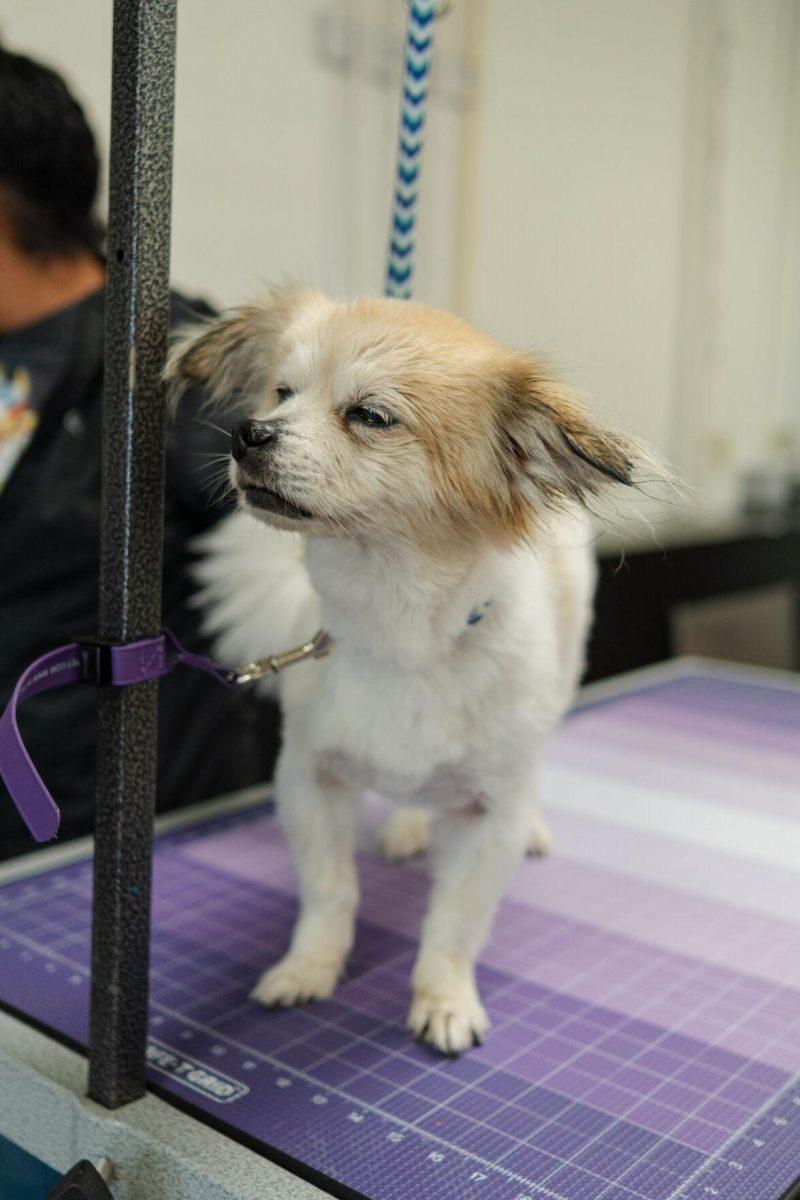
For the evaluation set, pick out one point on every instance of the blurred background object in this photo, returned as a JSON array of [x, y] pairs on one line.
[[52, 302], [615, 184]]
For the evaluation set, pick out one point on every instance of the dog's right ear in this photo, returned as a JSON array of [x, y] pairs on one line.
[[233, 355]]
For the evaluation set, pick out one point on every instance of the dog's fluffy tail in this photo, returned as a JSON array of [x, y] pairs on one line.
[[254, 590]]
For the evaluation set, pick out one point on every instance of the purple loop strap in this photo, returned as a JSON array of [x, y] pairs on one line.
[[132, 663]]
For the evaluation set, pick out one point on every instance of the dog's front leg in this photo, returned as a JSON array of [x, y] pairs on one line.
[[475, 851], [318, 816]]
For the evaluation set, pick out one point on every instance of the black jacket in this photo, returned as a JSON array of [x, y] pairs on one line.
[[210, 740]]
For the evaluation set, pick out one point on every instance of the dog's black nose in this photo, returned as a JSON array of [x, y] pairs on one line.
[[249, 434]]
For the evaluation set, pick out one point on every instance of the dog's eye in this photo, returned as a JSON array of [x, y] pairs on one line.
[[368, 414], [283, 392]]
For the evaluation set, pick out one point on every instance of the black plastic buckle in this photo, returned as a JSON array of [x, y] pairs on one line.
[[83, 1182], [94, 655]]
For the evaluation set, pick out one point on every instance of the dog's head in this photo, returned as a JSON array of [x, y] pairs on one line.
[[386, 417]]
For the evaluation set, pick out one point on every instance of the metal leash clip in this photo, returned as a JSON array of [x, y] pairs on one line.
[[318, 647]]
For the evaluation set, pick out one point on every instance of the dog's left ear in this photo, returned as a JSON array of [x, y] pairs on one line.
[[233, 354], [554, 447], [226, 356]]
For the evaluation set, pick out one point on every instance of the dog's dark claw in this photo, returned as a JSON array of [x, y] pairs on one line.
[[436, 1053]]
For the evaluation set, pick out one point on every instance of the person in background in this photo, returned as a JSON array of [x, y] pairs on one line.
[[52, 277]]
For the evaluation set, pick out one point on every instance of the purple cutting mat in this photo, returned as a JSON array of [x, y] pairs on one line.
[[644, 986]]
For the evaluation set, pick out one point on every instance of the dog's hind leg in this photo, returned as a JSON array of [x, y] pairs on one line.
[[406, 833], [540, 839], [318, 815]]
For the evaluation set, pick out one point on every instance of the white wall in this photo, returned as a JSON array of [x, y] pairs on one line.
[[736, 400], [639, 212], [580, 195], [614, 181]]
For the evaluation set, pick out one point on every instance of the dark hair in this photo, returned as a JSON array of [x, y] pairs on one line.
[[48, 161]]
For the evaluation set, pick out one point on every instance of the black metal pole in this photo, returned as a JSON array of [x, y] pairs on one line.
[[137, 317]]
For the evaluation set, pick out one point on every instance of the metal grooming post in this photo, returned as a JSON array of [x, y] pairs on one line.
[[137, 317]]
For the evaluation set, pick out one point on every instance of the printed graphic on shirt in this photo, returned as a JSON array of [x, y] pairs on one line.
[[18, 419]]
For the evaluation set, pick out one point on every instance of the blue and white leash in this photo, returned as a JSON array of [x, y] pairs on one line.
[[422, 16]]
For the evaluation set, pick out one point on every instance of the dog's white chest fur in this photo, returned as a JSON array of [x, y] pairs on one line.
[[446, 786], [397, 703], [417, 699], [405, 733]]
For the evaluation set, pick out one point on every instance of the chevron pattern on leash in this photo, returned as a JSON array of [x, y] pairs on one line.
[[413, 112]]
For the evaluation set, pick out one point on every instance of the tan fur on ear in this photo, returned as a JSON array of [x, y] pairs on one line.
[[558, 449], [232, 354], [197, 356]]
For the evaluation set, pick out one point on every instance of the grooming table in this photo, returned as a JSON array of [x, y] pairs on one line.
[[643, 982]]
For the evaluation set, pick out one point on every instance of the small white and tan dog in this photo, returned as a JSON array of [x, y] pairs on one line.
[[424, 492]]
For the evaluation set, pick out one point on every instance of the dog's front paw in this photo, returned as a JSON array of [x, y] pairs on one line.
[[406, 833], [540, 839], [295, 980], [451, 1021]]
